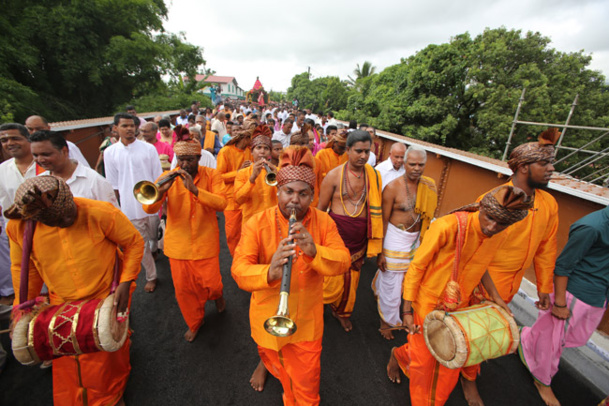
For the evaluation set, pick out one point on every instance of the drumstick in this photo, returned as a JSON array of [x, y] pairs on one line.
[[8, 330], [393, 328]]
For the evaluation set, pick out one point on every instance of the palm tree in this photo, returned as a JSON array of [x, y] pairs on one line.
[[366, 70]]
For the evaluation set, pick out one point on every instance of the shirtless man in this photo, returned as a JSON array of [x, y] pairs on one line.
[[352, 191], [409, 203]]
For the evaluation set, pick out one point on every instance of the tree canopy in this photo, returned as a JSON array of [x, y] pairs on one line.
[[68, 59], [464, 93]]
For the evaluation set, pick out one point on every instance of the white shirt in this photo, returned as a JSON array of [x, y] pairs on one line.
[[75, 154], [372, 159], [87, 183], [181, 121], [295, 127], [388, 172], [207, 159], [10, 179], [125, 166], [282, 137], [219, 127]]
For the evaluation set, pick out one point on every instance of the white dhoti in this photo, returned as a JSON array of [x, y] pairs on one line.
[[399, 248]]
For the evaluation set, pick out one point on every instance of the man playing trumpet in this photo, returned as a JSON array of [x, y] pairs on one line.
[[317, 250], [192, 239], [254, 191]]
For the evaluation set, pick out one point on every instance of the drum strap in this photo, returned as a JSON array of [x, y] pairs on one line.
[[451, 297]]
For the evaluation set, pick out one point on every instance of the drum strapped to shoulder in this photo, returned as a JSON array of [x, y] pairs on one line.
[[46, 332], [470, 335]]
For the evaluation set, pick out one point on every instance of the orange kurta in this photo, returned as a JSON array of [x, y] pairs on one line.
[[254, 197], [251, 265], [209, 140], [329, 160], [192, 242], [294, 360], [427, 276], [76, 263], [230, 159], [530, 241], [318, 179]]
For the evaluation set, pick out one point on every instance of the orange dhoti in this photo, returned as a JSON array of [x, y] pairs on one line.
[[430, 382], [196, 282], [93, 379], [232, 227], [297, 366]]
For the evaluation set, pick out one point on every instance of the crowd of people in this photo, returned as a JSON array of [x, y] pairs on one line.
[[353, 194]]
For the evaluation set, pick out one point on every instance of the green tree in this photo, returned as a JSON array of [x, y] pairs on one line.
[[365, 71], [84, 58], [320, 94]]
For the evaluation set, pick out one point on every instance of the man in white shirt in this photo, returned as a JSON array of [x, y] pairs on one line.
[[50, 151], [15, 142], [38, 123], [285, 134], [331, 120], [392, 167], [182, 119], [219, 125], [299, 122], [128, 162]]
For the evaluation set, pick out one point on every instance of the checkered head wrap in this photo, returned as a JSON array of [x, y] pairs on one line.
[[542, 150], [241, 132], [43, 198], [262, 136], [182, 148], [507, 204], [296, 164]]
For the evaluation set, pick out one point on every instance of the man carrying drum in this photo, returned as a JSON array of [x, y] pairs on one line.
[[74, 252], [428, 283], [317, 250], [531, 241], [192, 240]]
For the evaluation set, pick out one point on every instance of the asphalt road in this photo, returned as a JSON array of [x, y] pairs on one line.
[[215, 368]]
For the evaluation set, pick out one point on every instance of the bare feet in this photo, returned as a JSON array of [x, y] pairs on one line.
[[470, 391], [258, 378], [344, 321], [546, 394], [190, 335], [46, 364], [387, 334], [150, 286], [393, 369], [220, 304]]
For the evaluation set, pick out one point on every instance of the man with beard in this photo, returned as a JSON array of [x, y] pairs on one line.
[[433, 282], [352, 191], [192, 240], [317, 251], [409, 204], [531, 241]]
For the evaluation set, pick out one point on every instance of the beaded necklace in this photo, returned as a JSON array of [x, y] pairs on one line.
[[362, 199], [411, 205]]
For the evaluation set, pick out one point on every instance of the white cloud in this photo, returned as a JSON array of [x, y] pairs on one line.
[[279, 39]]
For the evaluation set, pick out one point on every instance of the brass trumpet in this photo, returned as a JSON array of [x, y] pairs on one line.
[[271, 177], [280, 325], [147, 192]]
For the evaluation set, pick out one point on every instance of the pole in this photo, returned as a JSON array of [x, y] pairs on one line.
[[580, 148], [509, 141], [562, 135]]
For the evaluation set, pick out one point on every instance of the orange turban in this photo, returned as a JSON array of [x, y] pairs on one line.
[[296, 164]]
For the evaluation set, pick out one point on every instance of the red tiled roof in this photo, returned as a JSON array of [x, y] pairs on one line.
[[216, 79], [99, 121]]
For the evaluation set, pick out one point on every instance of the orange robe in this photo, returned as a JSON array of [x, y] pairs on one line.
[[530, 241], [77, 263], [286, 357], [427, 276], [318, 179], [230, 159], [254, 197], [192, 242], [209, 140], [329, 160]]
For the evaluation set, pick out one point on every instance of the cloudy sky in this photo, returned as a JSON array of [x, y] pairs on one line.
[[276, 40]]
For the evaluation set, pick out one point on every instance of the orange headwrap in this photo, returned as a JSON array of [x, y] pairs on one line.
[[296, 164], [262, 135], [340, 137]]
